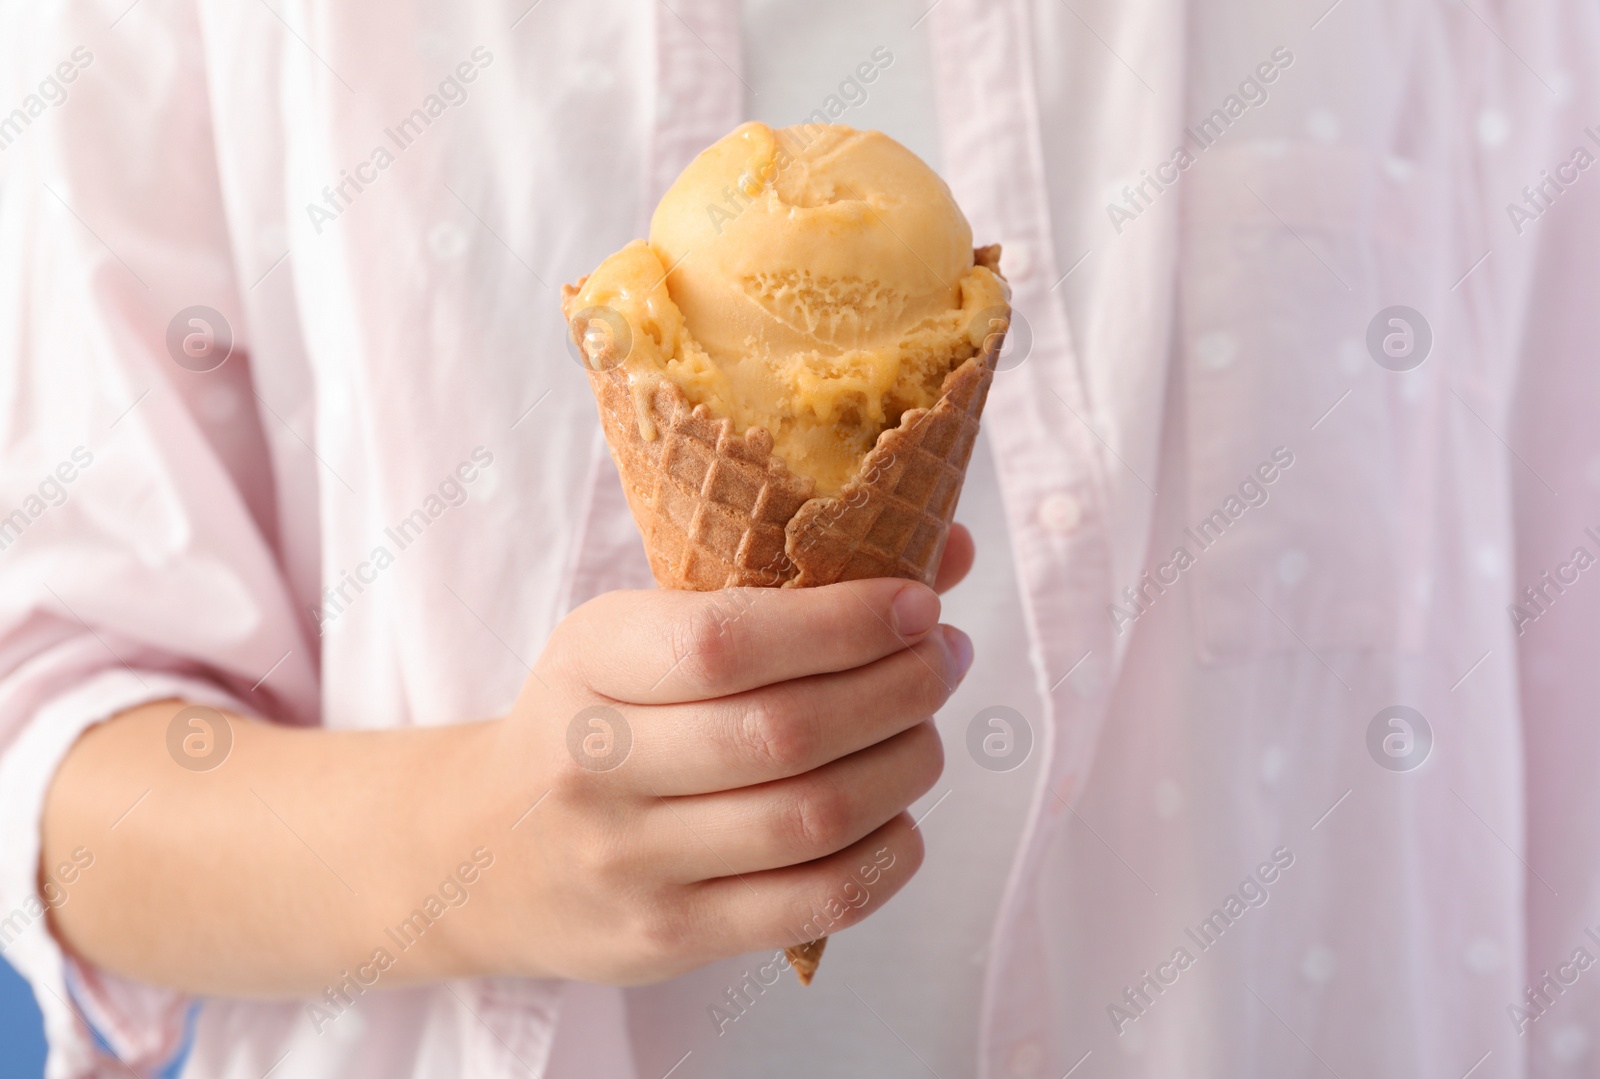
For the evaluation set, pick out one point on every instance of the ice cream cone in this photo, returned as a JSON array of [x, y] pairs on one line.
[[805, 958], [718, 510]]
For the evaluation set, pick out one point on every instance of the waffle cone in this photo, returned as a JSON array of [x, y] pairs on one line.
[[718, 510], [805, 958]]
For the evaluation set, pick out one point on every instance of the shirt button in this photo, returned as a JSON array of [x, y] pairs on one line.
[[1026, 1058], [446, 240], [596, 76], [1168, 798], [1273, 762], [1483, 955], [1215, 351], [1568, 1043], [1292, 566], [1318, 965], [1016, 260], [1060, 513]]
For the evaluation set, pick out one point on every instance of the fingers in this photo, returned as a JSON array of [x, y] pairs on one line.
[[959, 552], [668, 647], [788, 906], [799, 819], [793, 727]]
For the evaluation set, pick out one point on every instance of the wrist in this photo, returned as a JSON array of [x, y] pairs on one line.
[[433, 919]]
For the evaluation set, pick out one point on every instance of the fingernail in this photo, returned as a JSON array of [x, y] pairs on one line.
[[915, 610], [960, 646]]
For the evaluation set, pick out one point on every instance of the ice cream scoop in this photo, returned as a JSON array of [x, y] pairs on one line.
[[814, 281]]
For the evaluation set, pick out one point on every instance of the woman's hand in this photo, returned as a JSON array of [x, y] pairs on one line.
[[715, 773]]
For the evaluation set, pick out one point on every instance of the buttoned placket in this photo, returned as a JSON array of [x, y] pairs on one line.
[[1052, 475], [698, 99]]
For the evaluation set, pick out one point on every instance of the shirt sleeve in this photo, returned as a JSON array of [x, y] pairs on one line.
[[138, 546]]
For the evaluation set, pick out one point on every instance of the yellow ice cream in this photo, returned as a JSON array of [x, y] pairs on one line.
[[816, 281]]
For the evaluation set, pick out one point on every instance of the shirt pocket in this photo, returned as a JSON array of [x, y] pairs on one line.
[[1310, 472]]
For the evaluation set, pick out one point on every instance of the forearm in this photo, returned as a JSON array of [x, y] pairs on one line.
[[275, 871]]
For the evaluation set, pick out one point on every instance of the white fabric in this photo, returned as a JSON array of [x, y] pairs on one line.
[[1182, 740]]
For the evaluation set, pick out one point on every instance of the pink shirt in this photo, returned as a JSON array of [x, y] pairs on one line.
[[1226, 868]]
